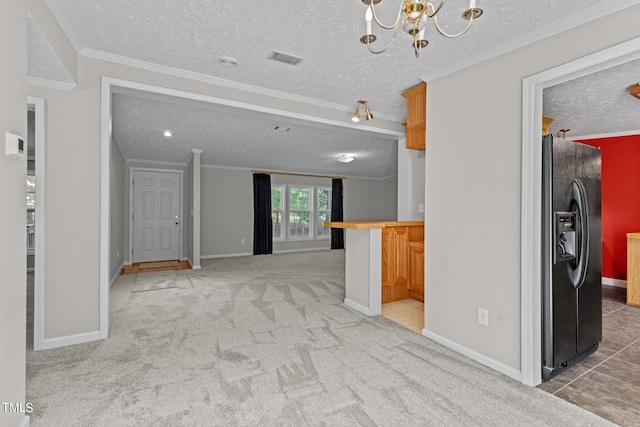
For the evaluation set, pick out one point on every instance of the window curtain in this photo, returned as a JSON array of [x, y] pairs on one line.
[[262, 228], [337, 234]]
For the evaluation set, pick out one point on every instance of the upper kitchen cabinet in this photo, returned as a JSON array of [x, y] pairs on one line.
[[546, 121], [416, 116]]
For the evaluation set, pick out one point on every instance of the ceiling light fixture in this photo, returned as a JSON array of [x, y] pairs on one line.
[[167, 133], [346, 158], [367, 113], [416, 13], [635, 91], [228, 61]]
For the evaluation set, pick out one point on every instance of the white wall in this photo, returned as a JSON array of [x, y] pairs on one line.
[[359, 205], [388, 199], [227, 211], [13, 254], [73, 213], [411, 164], [473, 178]]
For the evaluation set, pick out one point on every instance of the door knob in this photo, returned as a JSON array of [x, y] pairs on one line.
[[177, 220]]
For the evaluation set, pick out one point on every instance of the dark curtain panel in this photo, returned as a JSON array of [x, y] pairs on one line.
[[337, 234], [262, 229]]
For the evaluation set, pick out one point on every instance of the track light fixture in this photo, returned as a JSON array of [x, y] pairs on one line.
[[367, 113]]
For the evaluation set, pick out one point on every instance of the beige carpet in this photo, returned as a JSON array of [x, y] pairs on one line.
[[154, 281], [267, 341]]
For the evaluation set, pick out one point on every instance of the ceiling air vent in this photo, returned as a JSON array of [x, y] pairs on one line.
[[284, 57]]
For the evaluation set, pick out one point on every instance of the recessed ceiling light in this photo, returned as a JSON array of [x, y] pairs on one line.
[[167, 133], [346, 158], [228, 61]]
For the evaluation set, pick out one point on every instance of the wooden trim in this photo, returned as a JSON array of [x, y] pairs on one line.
[[374, 224]]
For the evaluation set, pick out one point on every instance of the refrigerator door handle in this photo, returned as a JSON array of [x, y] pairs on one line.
[[579, 195]]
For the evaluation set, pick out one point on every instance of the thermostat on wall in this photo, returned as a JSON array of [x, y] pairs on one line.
[[14, 146]]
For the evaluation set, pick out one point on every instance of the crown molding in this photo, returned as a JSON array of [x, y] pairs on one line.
[[50, 84], [606, 135], [238, 168], [191, 75], [155, 162], [557, 27]]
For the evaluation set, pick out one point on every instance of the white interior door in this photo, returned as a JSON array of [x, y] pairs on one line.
[[156, 216]]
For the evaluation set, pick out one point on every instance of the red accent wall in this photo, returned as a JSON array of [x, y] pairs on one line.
[[620, 199]]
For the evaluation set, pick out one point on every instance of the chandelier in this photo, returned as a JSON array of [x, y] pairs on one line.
[[416, 13]]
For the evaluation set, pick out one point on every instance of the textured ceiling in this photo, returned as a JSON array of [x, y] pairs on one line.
[[239, 138], [42, 61], [336, 69], [598, 103]]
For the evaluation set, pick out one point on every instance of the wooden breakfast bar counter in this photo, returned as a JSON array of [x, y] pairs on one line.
[[363, 260]]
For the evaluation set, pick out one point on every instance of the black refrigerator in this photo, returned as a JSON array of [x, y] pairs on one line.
[[571, 254]]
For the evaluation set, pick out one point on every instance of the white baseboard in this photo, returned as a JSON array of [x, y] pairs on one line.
[[196, 267], [287, 251], [71, 340], [358, 307], [614, 282], [127, 263], [26, 421], [284, 251], [226, 255], [115, 277], [471, 354]]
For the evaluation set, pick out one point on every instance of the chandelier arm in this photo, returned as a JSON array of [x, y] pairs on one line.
[[435, 10], [451, 36], [387, 27], [395, 33]]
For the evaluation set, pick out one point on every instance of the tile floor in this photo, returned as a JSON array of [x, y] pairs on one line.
[[607, 382], [408, 313]]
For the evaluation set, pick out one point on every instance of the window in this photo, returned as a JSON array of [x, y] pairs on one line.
[[300, 218], [31, 214], [277, 205], [298, 211], [323, 212], [31, 192]]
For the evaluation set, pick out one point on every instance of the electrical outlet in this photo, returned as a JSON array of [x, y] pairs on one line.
[[483, 316], [117, 254], [242, 241]]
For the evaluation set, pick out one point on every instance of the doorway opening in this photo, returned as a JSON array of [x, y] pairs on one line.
[[531, 330], [35, 222]]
